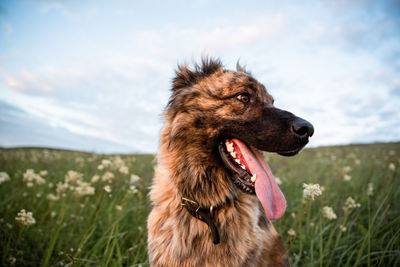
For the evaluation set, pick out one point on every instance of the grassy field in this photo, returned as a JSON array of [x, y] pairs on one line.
[[84, 209]]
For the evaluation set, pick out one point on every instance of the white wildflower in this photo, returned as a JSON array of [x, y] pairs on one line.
[[132, 189], [350, 204], [72, 177], [43, 173], [52, 197], [329, 213], [124, 170], [118, 162], [95, 178], [53, 214], [346, 169], [84, 189], [291, 232], [100, 167], [30, 177], [134, 178], [392, 167], [118, 207], [25, 218], [310, 191], [342, 228], [347, 177], [4, 177], [61, 187], [278, 181], [107, 177], [370, 190], [106, 163], [107, 188], [29, 173], [357, 161]]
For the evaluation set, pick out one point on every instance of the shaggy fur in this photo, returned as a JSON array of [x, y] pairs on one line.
[[202, 110]]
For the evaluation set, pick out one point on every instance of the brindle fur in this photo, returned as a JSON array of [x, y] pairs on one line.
[[203, 109]]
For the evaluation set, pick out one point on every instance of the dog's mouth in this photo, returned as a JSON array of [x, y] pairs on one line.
[[252, 174], [291, 152]]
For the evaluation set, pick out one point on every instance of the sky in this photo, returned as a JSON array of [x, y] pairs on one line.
[[96, 75]]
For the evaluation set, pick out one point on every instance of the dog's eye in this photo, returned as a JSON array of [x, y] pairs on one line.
[[243, 98]]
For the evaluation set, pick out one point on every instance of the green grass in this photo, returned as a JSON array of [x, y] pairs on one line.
[[109, 228]]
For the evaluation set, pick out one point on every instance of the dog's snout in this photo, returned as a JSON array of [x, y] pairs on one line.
[[302, 128]]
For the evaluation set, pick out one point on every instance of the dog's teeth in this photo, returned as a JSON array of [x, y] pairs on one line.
[[229, 147], [254, 177], [237, 161], [243, 167], [233, 154]]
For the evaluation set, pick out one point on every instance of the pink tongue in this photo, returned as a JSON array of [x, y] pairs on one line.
[[267, 191]]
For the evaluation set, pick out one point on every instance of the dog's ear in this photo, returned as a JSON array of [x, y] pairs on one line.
[[186, 77], [240, 68]]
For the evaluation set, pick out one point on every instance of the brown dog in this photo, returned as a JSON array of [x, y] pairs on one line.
[[210, 174]]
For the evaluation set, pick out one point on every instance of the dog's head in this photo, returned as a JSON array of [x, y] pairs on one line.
[[232, 116]]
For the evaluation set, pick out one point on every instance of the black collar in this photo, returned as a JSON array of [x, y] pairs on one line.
[[204, 214]]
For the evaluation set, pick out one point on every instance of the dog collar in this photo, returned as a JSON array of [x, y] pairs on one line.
[[204, 214]]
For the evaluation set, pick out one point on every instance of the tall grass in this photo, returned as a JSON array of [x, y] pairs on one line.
[[108, 228], [363, 236]]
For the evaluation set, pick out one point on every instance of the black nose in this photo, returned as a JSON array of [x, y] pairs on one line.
[[302, 128]]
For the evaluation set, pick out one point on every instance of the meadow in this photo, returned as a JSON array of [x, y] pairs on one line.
[[67, 208]]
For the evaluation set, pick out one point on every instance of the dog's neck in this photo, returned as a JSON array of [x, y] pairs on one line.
[[197, 172], [207, 215]]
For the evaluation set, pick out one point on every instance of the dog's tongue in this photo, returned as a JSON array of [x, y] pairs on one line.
[[267, 191]]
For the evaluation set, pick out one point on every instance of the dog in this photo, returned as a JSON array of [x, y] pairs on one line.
[[210, 176]]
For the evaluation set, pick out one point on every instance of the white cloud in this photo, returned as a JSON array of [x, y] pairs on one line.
[[211, 38], [26, 82], [119, 102], [122, 88]]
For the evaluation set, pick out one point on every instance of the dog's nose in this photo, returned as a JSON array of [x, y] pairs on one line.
[[302, 128]]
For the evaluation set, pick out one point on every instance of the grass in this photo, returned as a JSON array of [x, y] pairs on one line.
[[109, 228]]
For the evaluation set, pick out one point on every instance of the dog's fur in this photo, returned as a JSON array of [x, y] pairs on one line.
[[203, 109]]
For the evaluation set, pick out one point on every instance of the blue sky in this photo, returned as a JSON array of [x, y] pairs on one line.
[[96, 75]]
